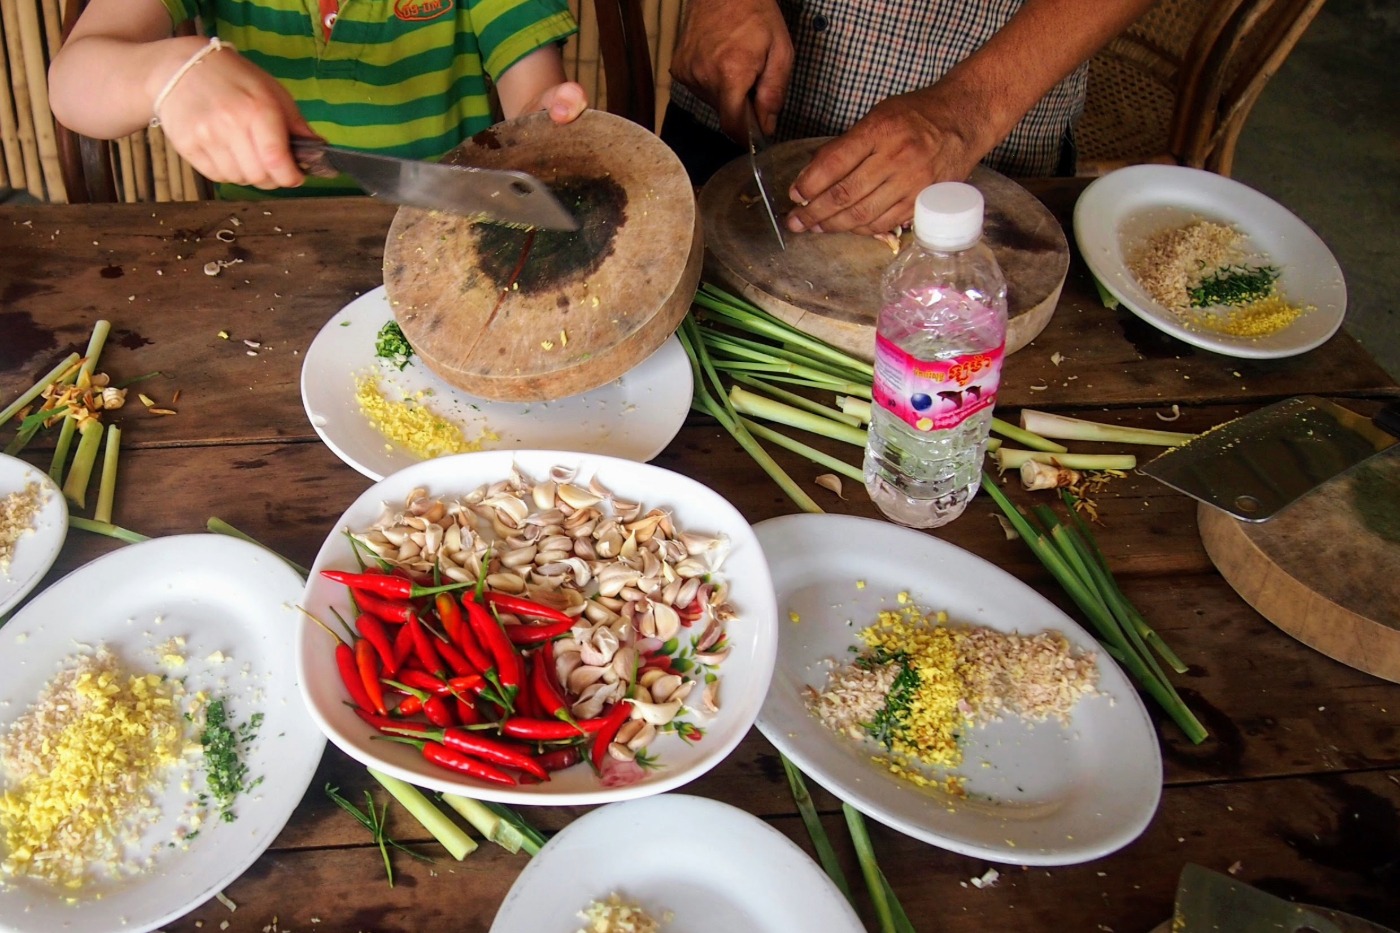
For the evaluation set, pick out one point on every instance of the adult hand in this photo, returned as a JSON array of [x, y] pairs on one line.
[[728, 48], [866, 180], [232, 121]]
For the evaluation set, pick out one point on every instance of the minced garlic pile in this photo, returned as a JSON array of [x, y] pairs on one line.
[[17, 513], [82, 769], [617, 916], [921, 684], [412, 424]]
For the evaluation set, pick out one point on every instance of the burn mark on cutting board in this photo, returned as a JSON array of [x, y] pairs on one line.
[[555, 257], [24, 338]]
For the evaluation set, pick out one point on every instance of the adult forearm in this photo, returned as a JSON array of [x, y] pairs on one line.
[[133, 73]]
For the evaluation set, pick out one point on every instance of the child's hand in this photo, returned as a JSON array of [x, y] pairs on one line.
[[564, 102], [232, 122]]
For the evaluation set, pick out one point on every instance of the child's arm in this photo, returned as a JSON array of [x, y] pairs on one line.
[[229, 118], [537, 82]]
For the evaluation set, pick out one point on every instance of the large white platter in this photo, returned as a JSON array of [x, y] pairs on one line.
[[737, 873], [1117, 214], [35, 550], [633, 417], [693, 507], [234, 604], [1038, 794]]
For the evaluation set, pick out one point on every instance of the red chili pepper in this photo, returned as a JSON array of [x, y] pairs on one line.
[[396, 611], [403, 645], [382, 584], [525, 607], [456, 661], [424, 650], [392, 725], [560, 758], [409, 706], [366, 661], [438, 712], [532, 634], [449, 613], [525, 702], [467, 713], [373, 630], [509, 668], [510, 754], [612, 722], [546, 687], [548, 730], [415, 679], [350, 676]]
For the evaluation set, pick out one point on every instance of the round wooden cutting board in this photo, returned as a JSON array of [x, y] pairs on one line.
[[523, 316], [828, 284], [1326, 569]]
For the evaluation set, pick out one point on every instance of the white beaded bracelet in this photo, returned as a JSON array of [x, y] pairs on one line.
[[214, 45]]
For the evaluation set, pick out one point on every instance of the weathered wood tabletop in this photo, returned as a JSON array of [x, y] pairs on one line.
[[1296, 791]]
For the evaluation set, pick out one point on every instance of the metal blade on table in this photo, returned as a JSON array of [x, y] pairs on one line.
[[757, 143], [505, 197], [1257, 464], [1209, 902]]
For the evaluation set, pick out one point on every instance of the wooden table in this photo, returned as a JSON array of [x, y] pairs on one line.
[[1297, 789]]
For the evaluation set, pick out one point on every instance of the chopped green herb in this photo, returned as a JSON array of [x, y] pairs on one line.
[[374, 822], [898, 702], [225, 771], [392, 345], [1234, 285]]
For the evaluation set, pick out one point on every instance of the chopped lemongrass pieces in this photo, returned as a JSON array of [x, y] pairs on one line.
[[70, 362], [75, 486], [1010, 458], [453, 838], [1077, 429], [107, 486]]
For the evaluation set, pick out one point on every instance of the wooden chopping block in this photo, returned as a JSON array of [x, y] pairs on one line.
[[1326, 569], [828, 284], [524, 316]]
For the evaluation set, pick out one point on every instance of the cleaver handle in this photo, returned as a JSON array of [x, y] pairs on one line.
[[310, 155], [1388, 419]]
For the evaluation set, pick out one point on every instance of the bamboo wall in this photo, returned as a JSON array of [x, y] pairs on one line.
[[144, 167]]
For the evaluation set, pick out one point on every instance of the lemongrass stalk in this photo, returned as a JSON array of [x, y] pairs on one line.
[[75, 486], [756, 321], [865, 854], [811, 453], [826, 854], [107, 486], [72, 361], [1026, 438], [993, 444], [902, 923], [61, 448], [723, 412], [858, 407], [453, 838], [750, 403], [108, 529], [1077, 429], [816, 367], [797, 401], [534, 839], [491, 826], [1011, 458], [94, 350], [221, 527], [773, 374]]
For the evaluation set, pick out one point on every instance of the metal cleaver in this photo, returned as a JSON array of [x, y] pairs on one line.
[[1257, 464], [1209, 902], [757, 143], [505, 197]]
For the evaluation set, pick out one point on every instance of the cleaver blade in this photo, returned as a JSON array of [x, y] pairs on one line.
[[1209, 902], [1254, 466]]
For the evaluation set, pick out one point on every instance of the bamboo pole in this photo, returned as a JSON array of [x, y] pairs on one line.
[[188, 180], [588, 57], [159, 166], [172, 164], [141, 164], [53, 26], [36, 67], [9, 129], [19, 86], [126, 165], [665, 47]]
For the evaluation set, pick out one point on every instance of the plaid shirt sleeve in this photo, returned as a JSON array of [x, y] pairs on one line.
[[851, 55]]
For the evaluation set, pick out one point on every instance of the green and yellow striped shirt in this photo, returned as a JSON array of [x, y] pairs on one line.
[[400, 77]]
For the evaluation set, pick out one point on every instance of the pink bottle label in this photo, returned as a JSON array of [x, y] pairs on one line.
[[934, 396]]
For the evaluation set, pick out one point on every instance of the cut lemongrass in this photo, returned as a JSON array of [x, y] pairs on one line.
[[826, 854], [490, 824], [811, 453], [814, 369], [797, 401], [453, 838], [534, 839], [1025, 438], [75, 486], [856, 407], [221, 527], [881, 895], [70, 362], [758, 406], [61, 448], [749, 317], [108, 529], [1077, 429], [107, 486], [1011, 458], [94, 350]]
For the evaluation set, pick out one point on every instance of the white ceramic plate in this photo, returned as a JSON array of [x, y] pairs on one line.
[[633, 417], [1038, 794], [221, 595], [1117, 214], [737, 873], [693, 507], [36, 550]]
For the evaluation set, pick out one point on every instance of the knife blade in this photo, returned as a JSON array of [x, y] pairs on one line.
[[757, 143], [499, 196], [1209, 902]]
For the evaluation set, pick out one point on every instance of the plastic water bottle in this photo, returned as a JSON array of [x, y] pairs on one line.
[[940, 338]]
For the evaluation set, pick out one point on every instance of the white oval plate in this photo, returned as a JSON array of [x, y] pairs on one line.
[[1117, 213], [633, 417], [36, 550], [221, 595], [1038, 794], [744, 674], [737, 873]]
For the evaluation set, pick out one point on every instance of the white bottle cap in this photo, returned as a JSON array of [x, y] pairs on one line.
[[948, 216]]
